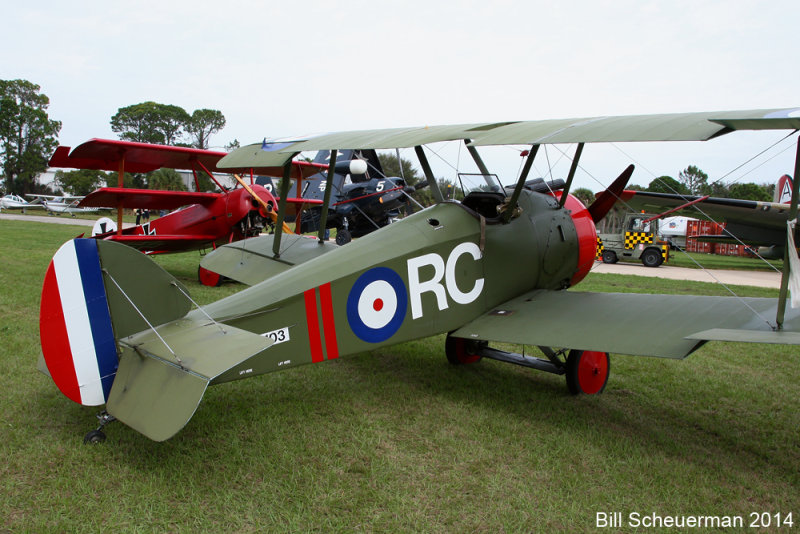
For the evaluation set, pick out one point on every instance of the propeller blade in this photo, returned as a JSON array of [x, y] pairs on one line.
[[419, 185], [606, 200], [267, 209]]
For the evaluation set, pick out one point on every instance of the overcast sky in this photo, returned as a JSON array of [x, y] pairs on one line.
[[287, 68]]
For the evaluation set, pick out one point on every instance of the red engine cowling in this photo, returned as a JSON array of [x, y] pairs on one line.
[[587, 236]]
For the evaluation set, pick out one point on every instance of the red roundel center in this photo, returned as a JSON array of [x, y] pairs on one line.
[[377, 305]]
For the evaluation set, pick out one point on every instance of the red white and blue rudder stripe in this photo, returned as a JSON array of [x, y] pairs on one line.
[[75, 324]]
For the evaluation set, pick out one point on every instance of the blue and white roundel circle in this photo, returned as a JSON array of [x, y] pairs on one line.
[[376, 305]]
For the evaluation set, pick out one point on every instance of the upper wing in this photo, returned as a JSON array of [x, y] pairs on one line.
[[146, 198], [668, 326], [755, 223], [110, 155], [107, 154], [660, 127]]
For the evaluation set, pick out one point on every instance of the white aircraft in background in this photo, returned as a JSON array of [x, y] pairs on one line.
[[62, 204], [16, 202]]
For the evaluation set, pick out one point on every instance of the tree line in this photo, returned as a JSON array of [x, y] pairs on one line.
[[693, 181], [28, 138], [155, 123]]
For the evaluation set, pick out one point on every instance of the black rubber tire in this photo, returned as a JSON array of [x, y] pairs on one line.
[[609, 256], [651, 258], [94, 436], [343, 237], [587, 372]]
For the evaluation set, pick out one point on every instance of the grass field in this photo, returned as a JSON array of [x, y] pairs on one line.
[[397, 439], [713, 261]]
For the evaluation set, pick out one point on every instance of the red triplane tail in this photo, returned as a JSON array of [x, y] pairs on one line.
[[114, 330]]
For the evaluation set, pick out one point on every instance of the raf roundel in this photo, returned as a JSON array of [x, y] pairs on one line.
[[376, 305]]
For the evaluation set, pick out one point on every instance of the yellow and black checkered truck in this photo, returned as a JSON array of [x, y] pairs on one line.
[[637, 240]]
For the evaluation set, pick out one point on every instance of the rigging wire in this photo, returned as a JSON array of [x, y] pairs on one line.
[[699, 209], [733, 293], [754, 157]]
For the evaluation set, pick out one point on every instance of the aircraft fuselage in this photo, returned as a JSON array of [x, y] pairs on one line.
[[429, 274]]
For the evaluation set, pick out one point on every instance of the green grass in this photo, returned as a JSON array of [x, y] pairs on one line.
[[714, 261], [397, 439]]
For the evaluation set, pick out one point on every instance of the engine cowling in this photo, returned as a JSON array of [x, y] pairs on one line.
[[587, 236]]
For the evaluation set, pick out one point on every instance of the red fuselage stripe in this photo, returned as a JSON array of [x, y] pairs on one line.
[[328, 324], [312, 320], [369, 195]]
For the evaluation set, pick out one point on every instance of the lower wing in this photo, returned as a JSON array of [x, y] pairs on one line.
[[667, 326]]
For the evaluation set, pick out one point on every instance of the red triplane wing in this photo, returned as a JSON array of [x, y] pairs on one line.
[[156, 199], [153, 199], [107, 154], [667, 326]]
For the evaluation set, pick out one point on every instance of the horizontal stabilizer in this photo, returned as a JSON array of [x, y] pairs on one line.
[[163, 373], [668, 326], [251, 261]]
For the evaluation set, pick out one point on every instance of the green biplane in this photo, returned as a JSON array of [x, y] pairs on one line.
[[118, 330]]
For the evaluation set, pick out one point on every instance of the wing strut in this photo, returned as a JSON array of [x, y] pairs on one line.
[[572, 169], [222, 187], [792, 215], [285, 183], [426, 169], [120, 183], [326, 201], [511, 204]]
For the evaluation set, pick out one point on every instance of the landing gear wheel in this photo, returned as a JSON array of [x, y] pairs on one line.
[[609, 256], [208, 278], [343, 236], [651, 258], [587, 371], [94, 436], [460, 351]]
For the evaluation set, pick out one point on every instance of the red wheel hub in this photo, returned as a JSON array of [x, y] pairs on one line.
[[462, 354], [593, 371]]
